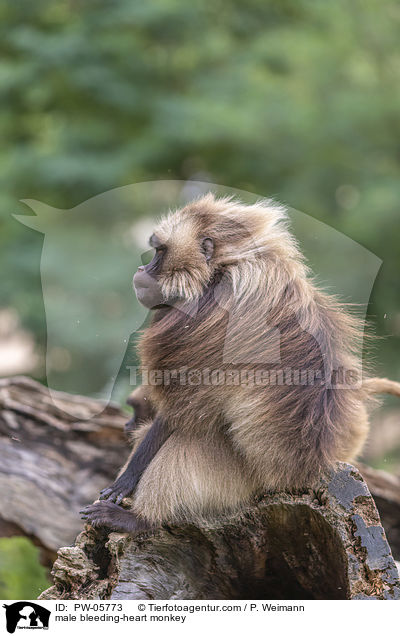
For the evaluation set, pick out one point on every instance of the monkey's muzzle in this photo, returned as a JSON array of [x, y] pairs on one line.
[[147, 289]]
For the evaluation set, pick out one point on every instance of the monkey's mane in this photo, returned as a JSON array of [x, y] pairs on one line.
[[258, 308]]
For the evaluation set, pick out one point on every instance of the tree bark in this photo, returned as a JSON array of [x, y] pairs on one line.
[[327, 543], [53, 462], [385, 489], [324, 544]]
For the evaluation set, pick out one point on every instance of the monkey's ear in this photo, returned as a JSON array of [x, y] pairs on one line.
[[207, 245]]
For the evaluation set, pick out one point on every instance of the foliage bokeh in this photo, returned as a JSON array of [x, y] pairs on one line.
[[297, 100]]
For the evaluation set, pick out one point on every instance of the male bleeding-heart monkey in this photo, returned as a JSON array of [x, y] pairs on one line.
[[233, 299]]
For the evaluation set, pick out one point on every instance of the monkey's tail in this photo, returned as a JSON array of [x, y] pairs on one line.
[[382, 385]]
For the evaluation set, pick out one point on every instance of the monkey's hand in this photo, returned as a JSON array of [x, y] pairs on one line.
[[106, 513], [140, 459], [122, 487], [101, 513]]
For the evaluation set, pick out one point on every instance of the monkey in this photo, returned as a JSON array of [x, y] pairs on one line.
[[144, 410], [233, 299]]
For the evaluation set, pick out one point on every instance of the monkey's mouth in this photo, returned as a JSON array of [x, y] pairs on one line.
[[148, 292]]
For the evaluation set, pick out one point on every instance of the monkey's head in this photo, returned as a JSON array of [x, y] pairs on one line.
[[207, 236]]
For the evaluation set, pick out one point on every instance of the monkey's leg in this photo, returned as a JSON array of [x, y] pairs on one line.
[[189, 479], [106, 513], [140, 459], [192, 477]]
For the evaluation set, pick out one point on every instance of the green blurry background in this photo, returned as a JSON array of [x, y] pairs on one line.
[[294, 99]]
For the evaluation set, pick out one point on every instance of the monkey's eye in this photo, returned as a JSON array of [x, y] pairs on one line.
[[147, 257]]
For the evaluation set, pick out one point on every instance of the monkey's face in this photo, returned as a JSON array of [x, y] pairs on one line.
[[208, 236], [181, 265]]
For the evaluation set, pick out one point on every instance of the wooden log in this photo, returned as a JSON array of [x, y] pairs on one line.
[[53, 462], [324, 544], [385, 489]]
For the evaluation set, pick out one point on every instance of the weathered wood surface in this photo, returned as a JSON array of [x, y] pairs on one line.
[[385, 489], [327, 544], [53, 462]]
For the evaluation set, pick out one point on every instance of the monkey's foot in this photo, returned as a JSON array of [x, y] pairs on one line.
[[122, 487], [106, 513]]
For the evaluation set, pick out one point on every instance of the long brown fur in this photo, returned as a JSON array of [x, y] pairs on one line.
[[253, 306]]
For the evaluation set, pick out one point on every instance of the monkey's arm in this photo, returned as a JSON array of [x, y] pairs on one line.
[[140, 401], [140, 459], [190, 475]]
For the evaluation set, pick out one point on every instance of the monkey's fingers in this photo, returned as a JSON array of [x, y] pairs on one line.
[[105, 492], [86, 512], [110, 494], [96, 514], [123, 487], [100, 511], [106, 513]]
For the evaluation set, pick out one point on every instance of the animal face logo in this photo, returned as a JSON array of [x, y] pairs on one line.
[[91, 252], [26, 615]]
